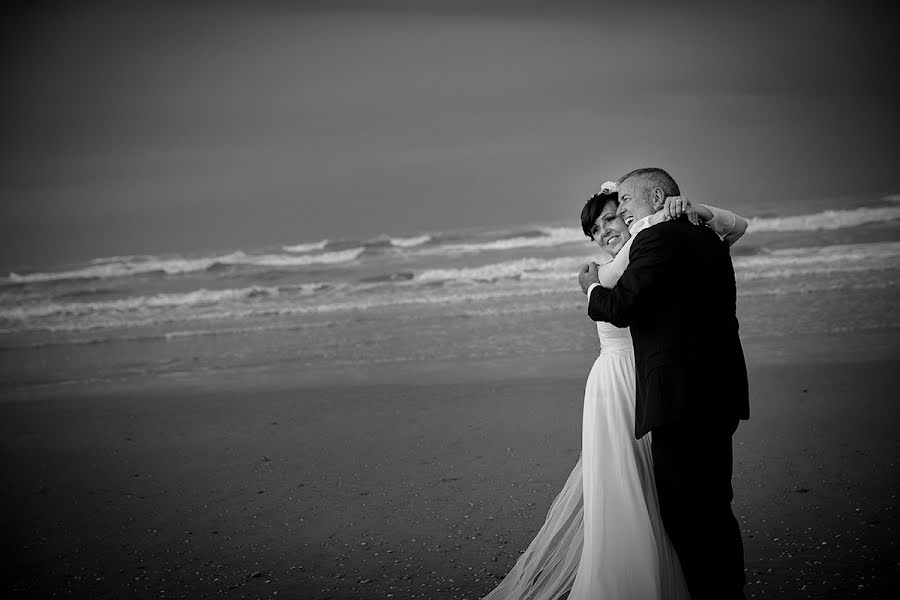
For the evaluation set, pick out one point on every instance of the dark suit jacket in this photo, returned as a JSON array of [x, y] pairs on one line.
[[678, 297]]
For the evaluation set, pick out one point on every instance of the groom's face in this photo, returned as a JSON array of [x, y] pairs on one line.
[[635, 200]]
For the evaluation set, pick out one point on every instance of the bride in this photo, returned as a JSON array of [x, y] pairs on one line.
[[603, 537]]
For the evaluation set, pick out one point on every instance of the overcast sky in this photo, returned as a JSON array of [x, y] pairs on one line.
[[151, 130]]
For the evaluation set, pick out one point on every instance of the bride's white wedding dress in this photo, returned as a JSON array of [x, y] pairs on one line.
[[626, 552], [603, 538], [617, 549]]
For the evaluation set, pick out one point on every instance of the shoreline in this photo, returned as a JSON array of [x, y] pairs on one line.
[[759, 350]]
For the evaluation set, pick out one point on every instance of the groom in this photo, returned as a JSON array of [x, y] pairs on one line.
[[678, 297]]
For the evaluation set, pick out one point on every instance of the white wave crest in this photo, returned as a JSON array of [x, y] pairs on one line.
[[121, 259], [115, 267], [138, 303], [827, 220], [107, 322], [289, 260], [301, 248], [547, 238], [817, 260], [410, 242], [533, 268], [127, 266]]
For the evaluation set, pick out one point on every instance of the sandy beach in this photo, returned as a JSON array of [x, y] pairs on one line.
[[427, 486]]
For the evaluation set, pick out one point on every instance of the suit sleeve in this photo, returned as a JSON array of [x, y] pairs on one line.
[[648, 262]]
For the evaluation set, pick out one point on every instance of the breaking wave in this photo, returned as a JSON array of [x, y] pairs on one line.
[[409, 242], [826, 220], [136, 303], [544, 238], [535, 268], [130, 266], [793, 262], [301, 248]]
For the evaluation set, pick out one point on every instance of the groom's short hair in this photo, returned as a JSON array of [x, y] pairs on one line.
[[655, 177]]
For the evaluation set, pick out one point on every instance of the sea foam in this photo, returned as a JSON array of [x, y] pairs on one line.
[[826, 220], [409, 242], [130, 266], [545, 237], [301, 248], [536, 268], [136, 303], [817, 260]]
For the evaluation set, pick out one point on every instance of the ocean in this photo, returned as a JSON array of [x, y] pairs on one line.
[[430, 296]]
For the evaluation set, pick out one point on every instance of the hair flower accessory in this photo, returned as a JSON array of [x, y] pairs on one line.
[[610, 187]]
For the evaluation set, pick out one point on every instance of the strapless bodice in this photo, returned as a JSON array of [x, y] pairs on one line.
[[614, 339]]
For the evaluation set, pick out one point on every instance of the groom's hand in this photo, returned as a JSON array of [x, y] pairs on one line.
[[588, 276]]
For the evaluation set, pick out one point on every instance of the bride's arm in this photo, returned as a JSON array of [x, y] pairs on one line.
[[609, 273], [727, 225]]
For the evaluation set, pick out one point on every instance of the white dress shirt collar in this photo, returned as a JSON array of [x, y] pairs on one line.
[[646, 222]]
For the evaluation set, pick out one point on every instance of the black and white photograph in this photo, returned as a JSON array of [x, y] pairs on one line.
[[450, 300]]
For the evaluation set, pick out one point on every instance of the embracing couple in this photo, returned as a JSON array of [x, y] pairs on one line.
[[646, 513]]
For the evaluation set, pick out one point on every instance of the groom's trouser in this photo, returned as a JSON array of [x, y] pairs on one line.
[[693, 465]]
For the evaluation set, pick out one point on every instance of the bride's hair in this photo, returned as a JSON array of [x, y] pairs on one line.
[[592, 209]]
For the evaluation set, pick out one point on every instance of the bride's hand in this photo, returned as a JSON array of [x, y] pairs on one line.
[[680, 205]]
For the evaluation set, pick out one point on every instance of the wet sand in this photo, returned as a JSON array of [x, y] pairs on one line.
[[421, 482]]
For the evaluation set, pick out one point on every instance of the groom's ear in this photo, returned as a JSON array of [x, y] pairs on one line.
[[658, 196]]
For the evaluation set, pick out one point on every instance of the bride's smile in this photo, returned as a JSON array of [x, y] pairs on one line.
[[609, 230]]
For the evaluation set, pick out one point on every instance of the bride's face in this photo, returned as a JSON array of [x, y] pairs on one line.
[[609, 230]]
